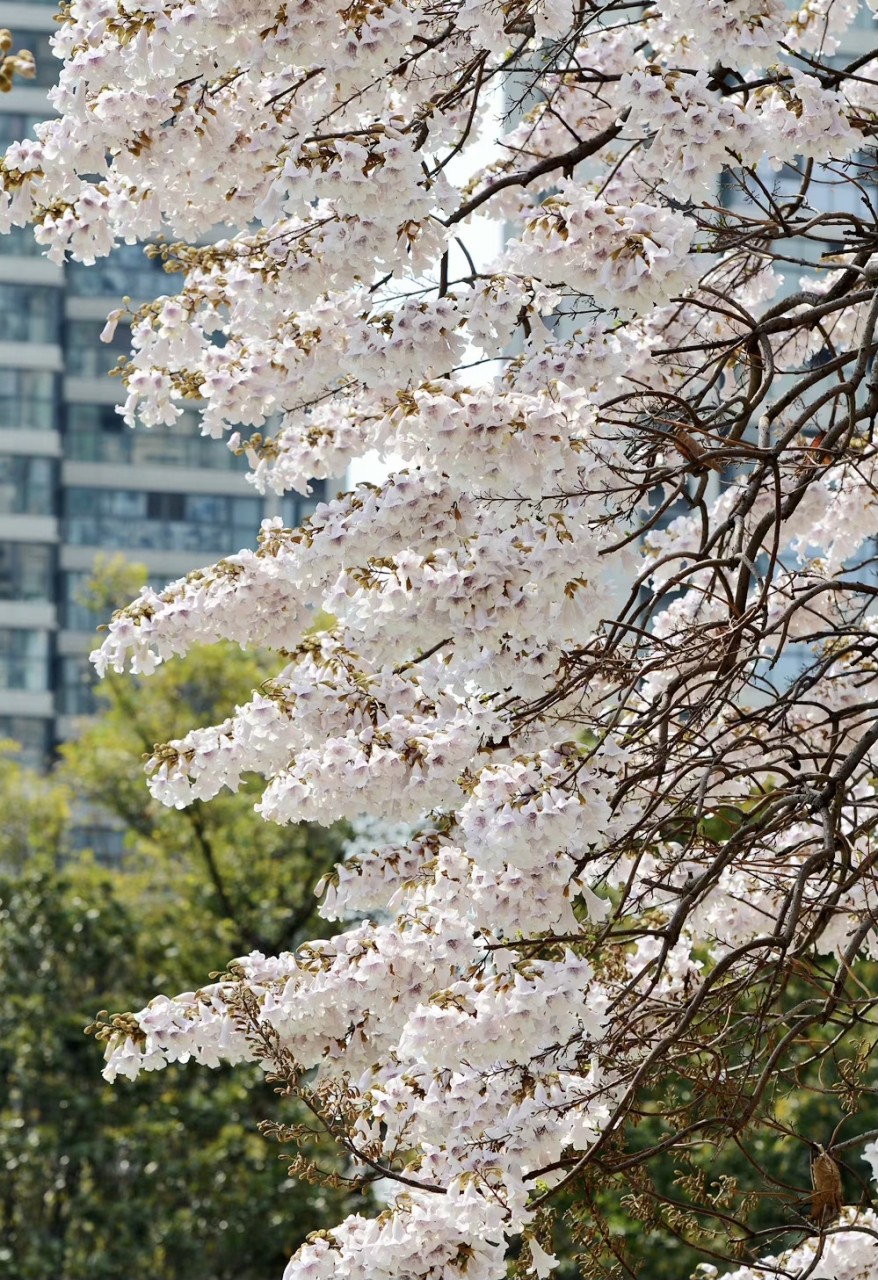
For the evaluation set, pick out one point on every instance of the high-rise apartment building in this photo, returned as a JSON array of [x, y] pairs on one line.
[[74, 480]]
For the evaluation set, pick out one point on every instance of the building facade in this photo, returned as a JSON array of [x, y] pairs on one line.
[[75, 482]]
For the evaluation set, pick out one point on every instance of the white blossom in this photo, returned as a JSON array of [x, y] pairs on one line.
[[600, 649]]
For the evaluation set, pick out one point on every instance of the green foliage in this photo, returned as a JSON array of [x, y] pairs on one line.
[[113, 582], [168, 1177], [34, 812]]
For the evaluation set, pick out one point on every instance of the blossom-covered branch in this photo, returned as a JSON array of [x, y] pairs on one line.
[[604, 640]]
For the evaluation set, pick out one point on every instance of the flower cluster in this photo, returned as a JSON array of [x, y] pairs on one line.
[[602, 641], [628, 258]]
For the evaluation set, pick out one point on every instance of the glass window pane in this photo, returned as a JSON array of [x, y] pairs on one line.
[[295, 508], [25, 571], [15, 126], [26, 486], [106, 844], [24, 660], [76, 689], [35, 564], [125, 504], [33, 737], [86, 356], [246, 512], [160, 521], [48, 66], [76, 613], [126, 272], [27, 399], [29, 313], [96, 433], [203, 509], [20, 242]]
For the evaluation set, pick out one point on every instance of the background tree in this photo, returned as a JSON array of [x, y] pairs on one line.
[[169, 1179]]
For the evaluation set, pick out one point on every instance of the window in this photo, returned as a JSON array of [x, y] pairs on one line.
[[33, 737], [48, 66], [94, 419], [96, 433], [86, 356], [75, 694], [29, 313], [76, 613], [739, 192], [26, 486], [161, 521], [107, 844], [27, 399], [25, 571], [19, 242], [105, 504], [15, 126], [77, 616], [166, 506], [207, 509], [295, 508], [24, 659], [126, 272]]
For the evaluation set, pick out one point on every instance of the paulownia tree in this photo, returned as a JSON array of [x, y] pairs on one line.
[[606, 636]]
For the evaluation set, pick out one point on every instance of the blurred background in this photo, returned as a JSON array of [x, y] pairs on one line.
[[167, 1178]]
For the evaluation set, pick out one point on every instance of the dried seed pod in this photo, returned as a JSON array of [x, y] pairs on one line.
[[692, 451], [826, 1181]]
